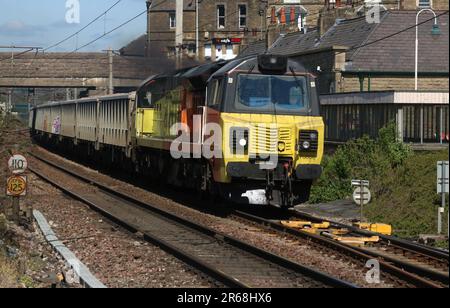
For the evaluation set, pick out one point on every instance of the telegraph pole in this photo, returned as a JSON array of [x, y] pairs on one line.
[[197, 34], [12, 48], [110, 52], [111, 75], [9, 106]]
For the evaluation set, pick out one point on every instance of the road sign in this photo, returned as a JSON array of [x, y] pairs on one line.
[[442, 177], [16, 186], [17, 164], [363, 195], [360, 183]]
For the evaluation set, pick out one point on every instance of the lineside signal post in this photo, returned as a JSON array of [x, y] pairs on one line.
[[361, 195], [442, 188], [16, 185]]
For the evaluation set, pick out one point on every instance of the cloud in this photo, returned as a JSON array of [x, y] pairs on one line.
[[14, 25], [17, 28]]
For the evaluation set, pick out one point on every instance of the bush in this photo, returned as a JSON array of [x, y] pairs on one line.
[[363, 158], [403, 183]]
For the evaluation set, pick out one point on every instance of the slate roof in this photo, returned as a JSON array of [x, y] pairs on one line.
[[77, 65], [293, 43], [253, 49], [395, 54]]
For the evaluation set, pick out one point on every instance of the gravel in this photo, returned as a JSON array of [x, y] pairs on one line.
[[116, 257], [303, 252]]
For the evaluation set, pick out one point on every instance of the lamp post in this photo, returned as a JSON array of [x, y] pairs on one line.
[[434, 31], [197, 34]]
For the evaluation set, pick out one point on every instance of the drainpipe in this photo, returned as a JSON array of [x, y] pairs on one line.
[[361, 83]]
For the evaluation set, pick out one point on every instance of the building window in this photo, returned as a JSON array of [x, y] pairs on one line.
[[230, 53], [423, 4], [208, 51], [221, 16], [219, 52], [172, 20], [242, 16]]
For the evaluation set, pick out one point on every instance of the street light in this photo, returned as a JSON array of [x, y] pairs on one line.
[[435, 31]]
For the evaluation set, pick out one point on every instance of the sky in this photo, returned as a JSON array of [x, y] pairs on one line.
[[42, 23]]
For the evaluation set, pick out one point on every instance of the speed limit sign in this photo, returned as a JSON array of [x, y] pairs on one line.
[[16, 186], [17, 164]]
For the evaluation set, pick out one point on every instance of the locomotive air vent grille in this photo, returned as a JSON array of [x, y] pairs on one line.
[[285, 136], [264, 139]]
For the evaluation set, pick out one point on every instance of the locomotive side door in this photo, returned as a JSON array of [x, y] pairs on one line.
[[214, 99]]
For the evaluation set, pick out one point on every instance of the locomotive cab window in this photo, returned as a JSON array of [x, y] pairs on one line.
[[215, 93], [150, 94], [265, 93]]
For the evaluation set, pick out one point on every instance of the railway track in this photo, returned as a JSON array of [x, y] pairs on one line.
[[417, 264], [227, 260]]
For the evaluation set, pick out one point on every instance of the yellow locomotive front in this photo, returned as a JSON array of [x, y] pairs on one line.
[[273, 134]]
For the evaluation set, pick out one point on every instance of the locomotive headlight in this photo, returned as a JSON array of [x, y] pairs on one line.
[[306, 145], [313, 136], [239, 140]]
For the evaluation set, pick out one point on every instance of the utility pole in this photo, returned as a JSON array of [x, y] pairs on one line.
[[110, 52], [197, 34], [9, 106], [179, 32], [111, 76]]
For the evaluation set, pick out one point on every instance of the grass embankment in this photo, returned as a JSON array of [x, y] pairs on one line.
[[402, 182], [11, 268], [9, 274]]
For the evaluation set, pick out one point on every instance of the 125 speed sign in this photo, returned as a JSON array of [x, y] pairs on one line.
[[16, 186]]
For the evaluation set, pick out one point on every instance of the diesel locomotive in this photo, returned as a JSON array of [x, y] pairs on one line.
[[248, 129]]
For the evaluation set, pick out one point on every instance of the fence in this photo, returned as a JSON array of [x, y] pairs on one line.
[[421, 117]]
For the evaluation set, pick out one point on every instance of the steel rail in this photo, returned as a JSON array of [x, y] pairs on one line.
[[403, 270], [217, 274], [407, 245]]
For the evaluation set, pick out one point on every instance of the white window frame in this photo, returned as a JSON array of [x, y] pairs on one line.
[[219, 27], [172, 19], [425, 7], [242, 16]]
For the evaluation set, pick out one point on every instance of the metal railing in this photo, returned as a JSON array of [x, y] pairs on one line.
[[420, 117]]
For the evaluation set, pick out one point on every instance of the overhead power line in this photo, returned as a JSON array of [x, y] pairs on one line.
[[393, 34], [79, 31]]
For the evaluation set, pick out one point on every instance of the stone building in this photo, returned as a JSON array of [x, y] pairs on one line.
[[354, 55], [223, 27], [287, 16]]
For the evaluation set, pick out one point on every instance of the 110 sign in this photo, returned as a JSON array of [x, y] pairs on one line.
[[17, 164]]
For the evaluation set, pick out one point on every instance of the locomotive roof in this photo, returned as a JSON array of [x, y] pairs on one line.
[[250, 62], [203, 73]]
